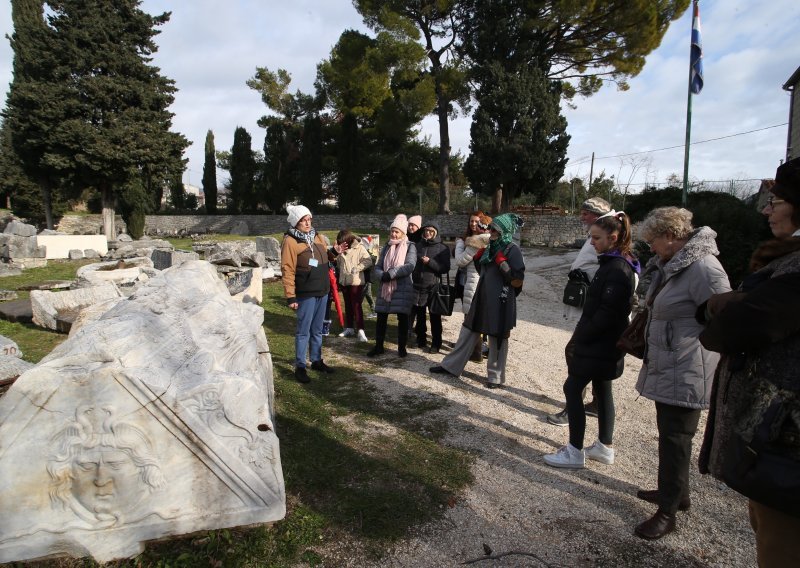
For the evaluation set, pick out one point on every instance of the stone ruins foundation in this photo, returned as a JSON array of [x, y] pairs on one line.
[[155, 418]]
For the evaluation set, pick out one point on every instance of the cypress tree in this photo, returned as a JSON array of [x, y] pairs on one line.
[[94, 109], [241, 187], [210, 175]]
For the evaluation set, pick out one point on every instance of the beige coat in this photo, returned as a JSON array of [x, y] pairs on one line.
[[352, 263]]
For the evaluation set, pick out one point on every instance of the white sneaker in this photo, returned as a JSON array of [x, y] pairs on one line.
[[567, 457], [362, 337], [599, 452], [348, 332]]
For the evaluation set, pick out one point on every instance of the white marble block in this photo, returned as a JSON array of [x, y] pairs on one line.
[[155, 418]]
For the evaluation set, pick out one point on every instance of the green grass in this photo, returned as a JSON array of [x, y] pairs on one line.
[[34, 341], [358, 468]]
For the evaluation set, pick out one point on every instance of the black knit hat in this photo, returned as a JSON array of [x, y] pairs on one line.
[[787, 182]]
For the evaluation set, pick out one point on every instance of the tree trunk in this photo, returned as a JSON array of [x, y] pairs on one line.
[[47, 203], [497, 200], [444, 160], [442, 105], [107, 198]]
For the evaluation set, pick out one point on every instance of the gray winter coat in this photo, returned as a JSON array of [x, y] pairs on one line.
[[677, 370], [403, 295]]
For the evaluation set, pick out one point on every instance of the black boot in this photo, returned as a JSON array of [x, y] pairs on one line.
[[402, 334], [380, 335]]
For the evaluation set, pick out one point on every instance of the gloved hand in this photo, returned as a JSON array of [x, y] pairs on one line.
[[500, 258], [385, 277], [479, 254]]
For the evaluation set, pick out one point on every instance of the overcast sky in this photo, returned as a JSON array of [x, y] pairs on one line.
[[211, 47]]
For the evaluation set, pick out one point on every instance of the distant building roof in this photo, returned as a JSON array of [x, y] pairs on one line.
[[793, 80]]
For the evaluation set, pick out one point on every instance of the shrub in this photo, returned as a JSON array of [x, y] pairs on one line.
[[739, 226]]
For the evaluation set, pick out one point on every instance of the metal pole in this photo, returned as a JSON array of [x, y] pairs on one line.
[[687, 143], [420, 201], [591, 171], [572, 209]]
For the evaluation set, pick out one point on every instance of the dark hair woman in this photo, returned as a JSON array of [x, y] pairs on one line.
[[592, 354]]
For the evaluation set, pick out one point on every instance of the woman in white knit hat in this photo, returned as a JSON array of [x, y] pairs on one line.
[[306, 284]]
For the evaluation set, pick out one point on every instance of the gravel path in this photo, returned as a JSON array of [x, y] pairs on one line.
[[530, 514]]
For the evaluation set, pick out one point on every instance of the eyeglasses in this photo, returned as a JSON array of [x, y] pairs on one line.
[[772, 200]]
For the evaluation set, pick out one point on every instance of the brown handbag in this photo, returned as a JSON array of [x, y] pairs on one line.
[[634, 339]]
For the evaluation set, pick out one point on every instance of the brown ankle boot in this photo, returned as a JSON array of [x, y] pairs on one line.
[[656, 526]]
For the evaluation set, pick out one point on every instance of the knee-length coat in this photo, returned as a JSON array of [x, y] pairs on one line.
[[403, 295], [494, 305]]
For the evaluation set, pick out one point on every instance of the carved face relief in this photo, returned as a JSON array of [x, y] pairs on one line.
[[105, 480], [102, 468]]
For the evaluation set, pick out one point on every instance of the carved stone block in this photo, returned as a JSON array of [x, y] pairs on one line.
[[155, 418]]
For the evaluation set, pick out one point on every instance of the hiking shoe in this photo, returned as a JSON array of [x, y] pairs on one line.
[[348, 332], [433, 349], [362, 337], [301, 376], [591, 408], [322, 367], [599, 452], [372, 315], [326, 328], [568, 457], [402, 351], [559, 418]]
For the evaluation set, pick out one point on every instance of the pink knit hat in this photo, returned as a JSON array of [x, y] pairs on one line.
[[415, 220], [400, 222]]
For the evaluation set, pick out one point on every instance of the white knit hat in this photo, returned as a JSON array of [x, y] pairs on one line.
[[400, 222], [296, 212]]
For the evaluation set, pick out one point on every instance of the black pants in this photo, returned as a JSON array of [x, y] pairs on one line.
[[677, 426], [573, 391], [402, 329], [420, 327]]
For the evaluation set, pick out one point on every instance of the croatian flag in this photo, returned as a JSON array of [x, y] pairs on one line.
[[696, 58]]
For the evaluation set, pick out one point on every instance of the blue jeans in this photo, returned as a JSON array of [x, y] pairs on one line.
[[310, 315]]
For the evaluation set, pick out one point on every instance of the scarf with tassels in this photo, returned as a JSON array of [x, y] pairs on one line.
[[395, 256]]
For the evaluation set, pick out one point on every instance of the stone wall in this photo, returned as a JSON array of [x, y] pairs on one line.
[[543, 230]]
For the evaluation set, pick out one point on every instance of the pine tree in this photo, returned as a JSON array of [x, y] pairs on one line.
[[518, 139], [310, 162], [241, 188], [210, 175], [92, 108]]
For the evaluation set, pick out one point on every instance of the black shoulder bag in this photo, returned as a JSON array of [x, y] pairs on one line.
[[576, 288], [442, 297]]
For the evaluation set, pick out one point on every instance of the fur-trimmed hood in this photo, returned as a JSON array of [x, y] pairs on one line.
[[702, 242], [478, 241], [777, 256]]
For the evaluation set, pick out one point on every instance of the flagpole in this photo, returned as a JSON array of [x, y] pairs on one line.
[[687, 143], [684, 195]]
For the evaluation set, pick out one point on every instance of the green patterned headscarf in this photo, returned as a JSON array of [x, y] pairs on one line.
[[505, 224]]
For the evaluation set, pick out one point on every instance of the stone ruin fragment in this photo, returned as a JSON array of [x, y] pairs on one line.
[[155, 418]]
